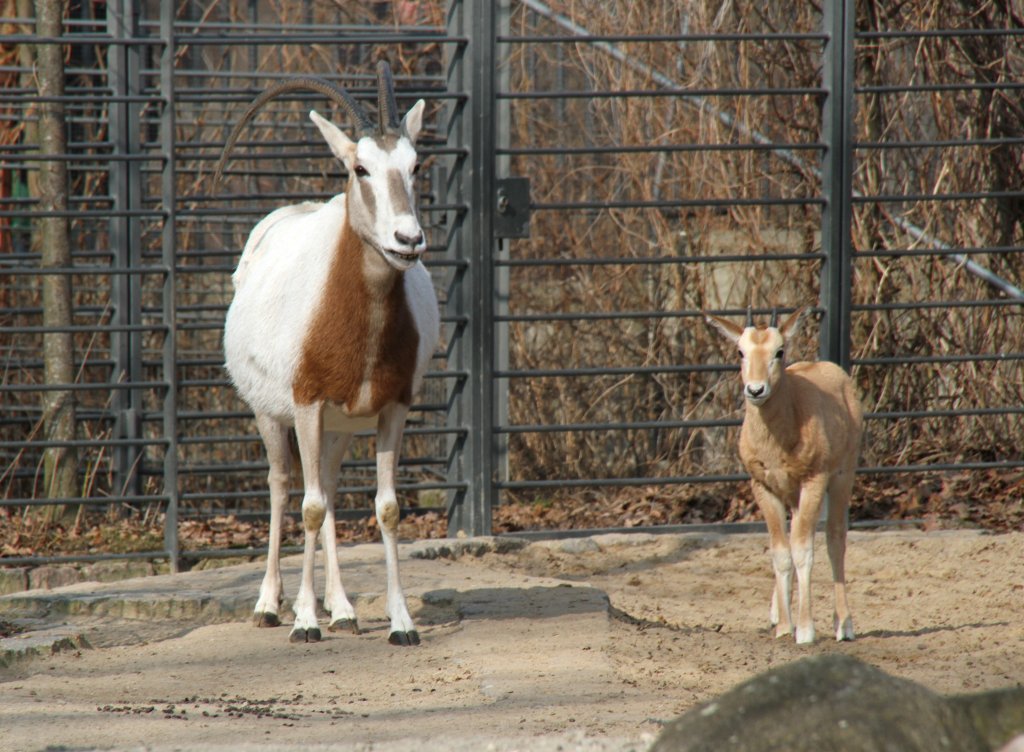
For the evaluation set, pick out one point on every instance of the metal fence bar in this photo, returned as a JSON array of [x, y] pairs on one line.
[[471, 74], [172, 546], [837, 181]]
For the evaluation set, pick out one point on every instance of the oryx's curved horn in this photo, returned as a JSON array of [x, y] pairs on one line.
[[387, 107], [335, 93], [775, 318], [750, 317]]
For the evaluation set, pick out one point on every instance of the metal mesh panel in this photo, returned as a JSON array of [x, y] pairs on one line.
[[679, 159]]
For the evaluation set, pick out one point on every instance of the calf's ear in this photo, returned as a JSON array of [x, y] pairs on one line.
[[792, 324], [726, 327]]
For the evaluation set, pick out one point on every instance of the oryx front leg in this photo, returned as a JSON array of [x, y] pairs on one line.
[[309, 432], [774, 513], [389, 439], [275, 438], [336, 602]]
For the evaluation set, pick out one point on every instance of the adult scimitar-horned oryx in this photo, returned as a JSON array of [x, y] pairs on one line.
[[333, 322], [801, 437]]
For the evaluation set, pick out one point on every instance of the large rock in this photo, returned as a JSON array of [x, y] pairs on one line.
[[835, 702]]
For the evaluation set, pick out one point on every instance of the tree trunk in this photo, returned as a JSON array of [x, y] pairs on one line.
[[60, 464]]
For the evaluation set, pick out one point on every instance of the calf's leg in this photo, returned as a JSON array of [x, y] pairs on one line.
[[840, 489], [774, 513], [801, 539]]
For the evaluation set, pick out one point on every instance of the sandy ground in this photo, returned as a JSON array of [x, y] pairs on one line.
[[585, 644]]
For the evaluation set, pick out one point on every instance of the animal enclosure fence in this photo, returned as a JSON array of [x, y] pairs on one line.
[[597, 173]]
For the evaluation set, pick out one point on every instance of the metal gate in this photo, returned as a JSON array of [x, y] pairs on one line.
[[595, 179], [700, 156]]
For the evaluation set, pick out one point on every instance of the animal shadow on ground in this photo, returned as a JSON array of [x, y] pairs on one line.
[[889, 633]]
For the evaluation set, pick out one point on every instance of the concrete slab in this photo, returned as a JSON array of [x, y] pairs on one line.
[[493, 641], [439, 589]]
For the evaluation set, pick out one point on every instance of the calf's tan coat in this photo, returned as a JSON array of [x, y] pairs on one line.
[[800, 438]]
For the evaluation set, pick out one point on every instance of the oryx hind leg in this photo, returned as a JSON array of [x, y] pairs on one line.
[[275, 439]]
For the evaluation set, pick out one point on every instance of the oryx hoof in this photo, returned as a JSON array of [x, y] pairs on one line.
[[412, 637], [266, 619], [344, 625], [305, 635]]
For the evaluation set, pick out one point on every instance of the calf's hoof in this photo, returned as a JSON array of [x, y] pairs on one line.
[[805, 636], [844, 631], [781, 632]]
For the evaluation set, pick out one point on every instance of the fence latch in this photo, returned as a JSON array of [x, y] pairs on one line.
[[512, 215]]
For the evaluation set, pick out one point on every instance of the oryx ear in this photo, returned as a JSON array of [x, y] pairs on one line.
[[726, 327], [341, 145], [412, 123], [791, 325]]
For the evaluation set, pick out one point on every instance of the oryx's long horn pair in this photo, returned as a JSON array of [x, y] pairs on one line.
[[387, 112]]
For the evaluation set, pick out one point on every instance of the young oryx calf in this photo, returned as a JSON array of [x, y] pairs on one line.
[[800, 438], [333, 321]]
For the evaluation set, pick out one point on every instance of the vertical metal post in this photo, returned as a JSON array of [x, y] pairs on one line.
[[168, 253], [471, 182], [837, 184], [500, 338], [837, 181], [451, 174], [125, 242]]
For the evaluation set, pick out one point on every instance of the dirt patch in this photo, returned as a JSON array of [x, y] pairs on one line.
[[941, 608], [587, 643]]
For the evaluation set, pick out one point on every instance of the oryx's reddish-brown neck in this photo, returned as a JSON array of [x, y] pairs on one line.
[[360, 350]]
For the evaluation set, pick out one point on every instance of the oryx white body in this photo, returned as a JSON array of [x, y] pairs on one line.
[[333, 322], [800, 438]]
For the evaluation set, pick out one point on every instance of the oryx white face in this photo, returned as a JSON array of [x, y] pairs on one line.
[[382, 199]]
